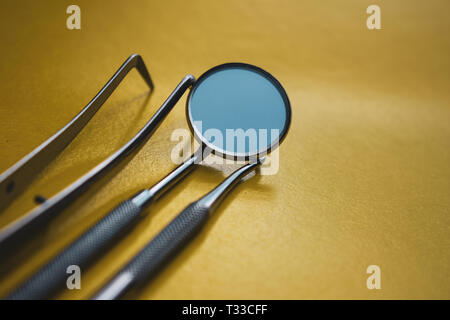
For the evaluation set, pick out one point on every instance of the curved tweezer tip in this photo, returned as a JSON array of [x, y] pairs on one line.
[[140, 66]]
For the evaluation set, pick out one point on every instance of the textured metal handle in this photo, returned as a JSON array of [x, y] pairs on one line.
[[159, 251], [53, 276]]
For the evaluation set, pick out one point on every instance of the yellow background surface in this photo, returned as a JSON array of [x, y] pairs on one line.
[[365, 170]]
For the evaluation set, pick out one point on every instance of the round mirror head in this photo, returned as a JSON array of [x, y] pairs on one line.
[[238, 110]]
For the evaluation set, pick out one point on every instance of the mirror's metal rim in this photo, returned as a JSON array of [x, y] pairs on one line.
[[224, 153]]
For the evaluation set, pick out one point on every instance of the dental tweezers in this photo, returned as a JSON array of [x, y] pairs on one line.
[[14, 180]]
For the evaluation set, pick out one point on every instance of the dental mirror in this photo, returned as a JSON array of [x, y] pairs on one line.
[[243, 107]]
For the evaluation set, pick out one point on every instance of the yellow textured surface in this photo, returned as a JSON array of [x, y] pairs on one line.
[[365, 170]]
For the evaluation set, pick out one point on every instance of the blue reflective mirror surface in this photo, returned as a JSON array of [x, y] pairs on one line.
[[238, 110]]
